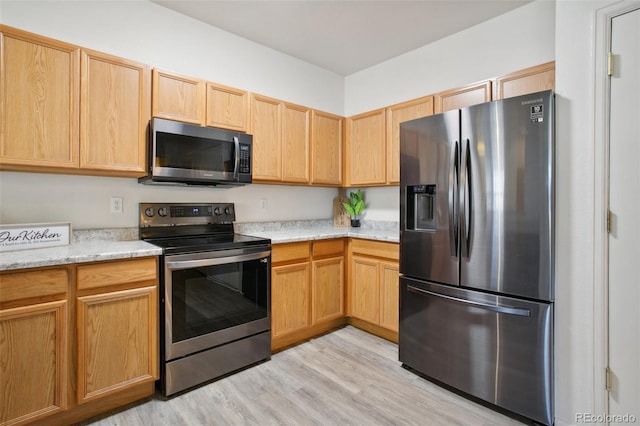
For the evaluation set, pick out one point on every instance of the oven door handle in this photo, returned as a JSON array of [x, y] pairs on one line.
[[186, 264]]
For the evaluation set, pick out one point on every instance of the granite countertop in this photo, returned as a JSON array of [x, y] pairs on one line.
[[286, 232], [87, 246], [112, 244]]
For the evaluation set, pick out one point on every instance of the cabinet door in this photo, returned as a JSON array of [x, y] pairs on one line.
[[366, 149], [395, 115], [33, 353], [389, 295], [39, 101], [463, 97], [328, 289], [114, 114], [266, 126], [529, 80], [290, 298], [326, 145], [365, 289], [117, 341], [295, 137], [227, 107], [177, 97]]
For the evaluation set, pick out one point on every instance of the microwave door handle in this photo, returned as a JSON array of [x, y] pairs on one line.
[[236, 142]]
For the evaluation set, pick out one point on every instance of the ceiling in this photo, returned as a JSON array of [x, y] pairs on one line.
[[343, 36]]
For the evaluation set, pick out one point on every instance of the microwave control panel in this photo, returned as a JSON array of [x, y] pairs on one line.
[[245, 159]]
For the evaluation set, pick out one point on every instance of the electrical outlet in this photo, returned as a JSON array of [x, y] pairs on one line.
[[116, 204], [263, 203]]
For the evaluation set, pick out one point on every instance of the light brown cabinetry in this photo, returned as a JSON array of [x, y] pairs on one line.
[[39, 101], [114, 113], [78, 340], [177, 97], [365, 161], [34, 344], [227, 107], [307, 290], [472, 94], [397, 114], [71, 110], [327, 132], [529, 80], [196, 101], [107, 313], [373, 287], [280, 140], [327, 277]]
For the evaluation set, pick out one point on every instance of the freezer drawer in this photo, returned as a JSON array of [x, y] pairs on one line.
[[496, 348]]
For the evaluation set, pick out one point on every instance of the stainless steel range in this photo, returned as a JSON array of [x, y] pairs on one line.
[[215, 292]]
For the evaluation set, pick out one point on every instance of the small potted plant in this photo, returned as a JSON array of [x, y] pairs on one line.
[[354, 207]]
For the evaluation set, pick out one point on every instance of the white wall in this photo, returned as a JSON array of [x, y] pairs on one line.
[[519, 39], [148, 33]]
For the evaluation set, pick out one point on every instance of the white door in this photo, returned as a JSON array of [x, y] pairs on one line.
[[624, 205]]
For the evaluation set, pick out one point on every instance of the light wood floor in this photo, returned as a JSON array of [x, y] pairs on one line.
[[347, 377]]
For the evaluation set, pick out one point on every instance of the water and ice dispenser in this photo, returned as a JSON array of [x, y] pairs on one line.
[[421, 208]]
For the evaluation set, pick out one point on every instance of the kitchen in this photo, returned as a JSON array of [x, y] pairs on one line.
[[495, 48]]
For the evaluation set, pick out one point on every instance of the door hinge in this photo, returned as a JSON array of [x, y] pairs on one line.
[[610, 64], [607, 379], [608, 221]]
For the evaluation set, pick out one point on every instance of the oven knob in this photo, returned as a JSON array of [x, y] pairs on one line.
[[162, 211], [149, 212], [217, 211], [227, 211]]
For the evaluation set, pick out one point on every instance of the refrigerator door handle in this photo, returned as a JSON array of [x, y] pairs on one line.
[[509, 310], [453, 202], [466, 210]]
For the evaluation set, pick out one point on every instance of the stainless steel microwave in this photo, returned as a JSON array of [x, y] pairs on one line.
[[186, 154]]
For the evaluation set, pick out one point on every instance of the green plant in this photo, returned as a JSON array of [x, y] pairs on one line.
[[355, 206]]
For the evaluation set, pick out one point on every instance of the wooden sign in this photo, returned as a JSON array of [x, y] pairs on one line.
[[30, 236]]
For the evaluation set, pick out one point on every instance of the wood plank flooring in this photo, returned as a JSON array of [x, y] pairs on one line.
[[347, 377]]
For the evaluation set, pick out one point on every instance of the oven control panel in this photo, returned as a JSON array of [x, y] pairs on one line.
[[159, 214]]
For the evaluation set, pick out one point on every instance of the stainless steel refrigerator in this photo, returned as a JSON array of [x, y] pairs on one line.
[[476, 251]]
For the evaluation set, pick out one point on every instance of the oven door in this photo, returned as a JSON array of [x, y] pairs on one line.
[[212, 298]]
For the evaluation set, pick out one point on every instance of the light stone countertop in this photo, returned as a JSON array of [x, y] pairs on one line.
[[292, 231], [112, 244]]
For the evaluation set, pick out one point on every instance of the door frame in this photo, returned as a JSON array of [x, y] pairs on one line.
[[602, 102]]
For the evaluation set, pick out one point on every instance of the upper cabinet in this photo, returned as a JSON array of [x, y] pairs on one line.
[[281, 133], [266, 128], [114, 114], [366, 149], [195, 101], [40, 101], [529, 80], [177, 97], [397, 114], [472, 94], [227, 107], [327, 132], [70, 110]]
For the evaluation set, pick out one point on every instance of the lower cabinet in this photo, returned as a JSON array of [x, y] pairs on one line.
[[34, 337], [373, 287], [307, 290], [78, 340]]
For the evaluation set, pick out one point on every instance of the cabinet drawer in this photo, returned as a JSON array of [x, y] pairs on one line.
[[376, 248], [25, 285], [328, 247], [290, 251], [119, 272]]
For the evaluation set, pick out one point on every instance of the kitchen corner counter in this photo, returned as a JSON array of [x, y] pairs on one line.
[[286, 232], [80, 251]]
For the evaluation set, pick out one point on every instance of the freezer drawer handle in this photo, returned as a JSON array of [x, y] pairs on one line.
[[499, 309]]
